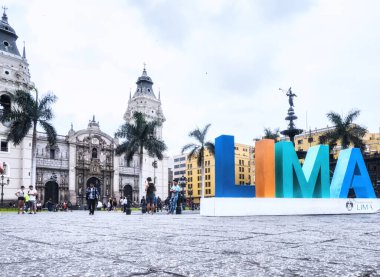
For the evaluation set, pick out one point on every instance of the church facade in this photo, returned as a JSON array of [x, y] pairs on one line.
[[81, 157]]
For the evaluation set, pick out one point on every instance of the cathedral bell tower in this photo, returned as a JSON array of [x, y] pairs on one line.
[[145, 101], [14, 75], [14, 68]]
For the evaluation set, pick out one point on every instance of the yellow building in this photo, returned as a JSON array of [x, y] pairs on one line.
[[243, 172], [308, 139]]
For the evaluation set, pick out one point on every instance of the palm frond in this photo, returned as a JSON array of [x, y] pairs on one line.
[[187, 147], [352, 115], [18, 130], [193, 153], [344, 130], [210, 147], [335, 118], [46, 101], [205, 130], [50, 131], [197, 134]]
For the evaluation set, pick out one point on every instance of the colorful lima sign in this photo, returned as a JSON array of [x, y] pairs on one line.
[[279, 173]]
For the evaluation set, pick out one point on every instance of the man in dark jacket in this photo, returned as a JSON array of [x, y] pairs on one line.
[[92, 196]]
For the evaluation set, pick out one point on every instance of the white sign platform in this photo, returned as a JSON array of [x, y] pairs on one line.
[[219, 206]]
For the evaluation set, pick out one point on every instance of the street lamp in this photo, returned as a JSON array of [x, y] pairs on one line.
[[154, 164], [2, 188]]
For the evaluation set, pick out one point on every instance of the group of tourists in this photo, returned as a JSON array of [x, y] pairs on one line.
[[27, 200], [151, 203]]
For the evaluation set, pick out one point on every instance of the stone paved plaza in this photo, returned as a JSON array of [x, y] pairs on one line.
[[114, 244]]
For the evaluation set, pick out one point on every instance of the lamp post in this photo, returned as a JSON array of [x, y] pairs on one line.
[[154, 164], [2, 188]]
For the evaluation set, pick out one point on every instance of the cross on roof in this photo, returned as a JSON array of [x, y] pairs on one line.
[[4, 8]]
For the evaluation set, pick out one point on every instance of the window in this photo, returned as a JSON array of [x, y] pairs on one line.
[[52, 153], [4, 146], [94, 153], [6, 43]]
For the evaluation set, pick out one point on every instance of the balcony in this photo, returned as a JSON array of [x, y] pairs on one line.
[[52, 163]]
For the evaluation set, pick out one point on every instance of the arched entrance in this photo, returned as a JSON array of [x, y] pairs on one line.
[[51, 191], [96, 183], [128, 191]]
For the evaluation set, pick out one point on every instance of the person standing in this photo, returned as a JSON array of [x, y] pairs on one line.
[[124, 204], [175, 189], [92, 196], [32, 199], [21, 199], [150, 195], [143, 205]]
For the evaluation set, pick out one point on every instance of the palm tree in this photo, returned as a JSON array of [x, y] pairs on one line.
[[140, 135], [269, 134], [198, 150], [344, 131], [27, 113]]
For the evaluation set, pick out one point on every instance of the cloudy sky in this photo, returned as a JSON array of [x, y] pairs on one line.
[[214, 61]]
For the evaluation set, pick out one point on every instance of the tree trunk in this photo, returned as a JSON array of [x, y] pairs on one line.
[[141, 190], [34, 148], [34, 156], [203, 177]]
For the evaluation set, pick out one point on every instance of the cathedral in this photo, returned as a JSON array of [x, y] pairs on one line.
[[80, 157]]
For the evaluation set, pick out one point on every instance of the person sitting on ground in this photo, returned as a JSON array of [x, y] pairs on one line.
[[50, 205], [64, 206], [39, 206]]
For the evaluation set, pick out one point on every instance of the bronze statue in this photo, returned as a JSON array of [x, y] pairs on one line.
[[290, 94]]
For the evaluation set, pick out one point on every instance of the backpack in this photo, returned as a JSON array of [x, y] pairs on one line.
[[151, 188]]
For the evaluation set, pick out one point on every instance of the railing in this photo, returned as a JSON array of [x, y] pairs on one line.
[[52, 163], [128, 170]]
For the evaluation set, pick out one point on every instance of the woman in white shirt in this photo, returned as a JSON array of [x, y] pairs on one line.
[[21, 199]]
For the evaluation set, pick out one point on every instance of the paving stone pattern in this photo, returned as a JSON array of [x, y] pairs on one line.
[[114, 244]]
